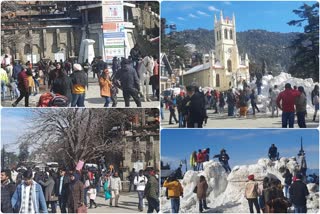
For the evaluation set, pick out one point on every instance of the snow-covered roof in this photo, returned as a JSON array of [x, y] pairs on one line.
[[202, 67]]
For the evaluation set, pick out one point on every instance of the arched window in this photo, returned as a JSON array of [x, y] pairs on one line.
[[231, 35], [219, 34], [229, 64], [225, 33], [217, 80], [27, 49]]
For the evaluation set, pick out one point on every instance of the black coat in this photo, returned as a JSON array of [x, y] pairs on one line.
[[6, 195], [63, 86], [288, 178], [197, 110], [298, 192], [129, 78], [79, 78], [65, 187]]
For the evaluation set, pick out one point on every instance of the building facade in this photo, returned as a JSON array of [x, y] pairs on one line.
[[225, 68]]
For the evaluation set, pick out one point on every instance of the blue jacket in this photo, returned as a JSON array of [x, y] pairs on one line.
[[39, 200]]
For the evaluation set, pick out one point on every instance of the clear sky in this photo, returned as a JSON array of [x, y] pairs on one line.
[[267, 15], [14, 122], [243, 146]]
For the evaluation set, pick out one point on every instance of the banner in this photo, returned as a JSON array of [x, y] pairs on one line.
[[112, 11], [79, 165]]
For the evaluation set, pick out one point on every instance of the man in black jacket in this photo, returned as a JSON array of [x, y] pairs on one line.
[[7, 190], [196, 107], [273, 153], [129, 83], [62, 189], [298, 192]]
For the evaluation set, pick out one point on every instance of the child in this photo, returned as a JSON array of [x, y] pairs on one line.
[[92, 195]]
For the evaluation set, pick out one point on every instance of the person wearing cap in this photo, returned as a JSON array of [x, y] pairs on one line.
[[23, 86], [28, 197], [79, 81], [298, 193], [285, 102], [251, 193], [105, 87], [175, 190], [130, 83]]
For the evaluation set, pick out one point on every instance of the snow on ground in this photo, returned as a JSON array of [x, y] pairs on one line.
[[226, 191]]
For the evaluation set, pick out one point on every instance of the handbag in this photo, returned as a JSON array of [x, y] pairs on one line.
[[82, 209], [54, 198]]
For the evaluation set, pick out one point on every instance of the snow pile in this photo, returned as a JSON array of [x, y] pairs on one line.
[[269, 81], [226, 191]]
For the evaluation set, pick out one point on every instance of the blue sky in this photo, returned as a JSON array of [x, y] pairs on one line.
[[267, 15], [243, 146], [14, 122]]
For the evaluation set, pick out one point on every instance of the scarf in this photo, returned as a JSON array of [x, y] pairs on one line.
[[24, 198]]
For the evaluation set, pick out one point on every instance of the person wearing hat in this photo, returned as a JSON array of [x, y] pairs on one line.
[[251, 193], [75, 193], [28, 197], [175, 190], [23, 86], [79, 81], [105, 87], [285, 102]]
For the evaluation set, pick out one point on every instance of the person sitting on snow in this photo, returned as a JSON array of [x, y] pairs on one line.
[[273, 153], [224, 160]]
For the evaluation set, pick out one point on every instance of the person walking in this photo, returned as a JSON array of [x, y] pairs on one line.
[[151, 192], [49, 192], [315, 101], [251, 194], [202, 187], [285, 102], [116, 187], [62, 85], [92, 196], [79, 82], [196, 108], [253, 100], [273, 94], [62, 189], [172, 109], [131, 179], [4, 82], [106, 187], [130, 83], [175, 191], [243, 103], [105, 87], [231, 101], [28, 197], [23, 86], [301, 107], [75, 193], [140, 181], [298, 193], [7, 190]]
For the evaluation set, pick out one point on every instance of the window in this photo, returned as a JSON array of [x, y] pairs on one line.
[[229, 64], [217, 80], [225, 33], [231, 36], [217, 35]]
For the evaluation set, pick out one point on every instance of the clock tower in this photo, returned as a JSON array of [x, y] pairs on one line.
[[226, 49]]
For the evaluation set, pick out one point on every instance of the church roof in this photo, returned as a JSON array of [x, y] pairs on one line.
[[202, 67]]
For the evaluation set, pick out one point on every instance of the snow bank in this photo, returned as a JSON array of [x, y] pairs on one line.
[[269, 81], [226, 191]]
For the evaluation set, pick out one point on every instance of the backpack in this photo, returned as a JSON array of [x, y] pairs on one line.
[[59, 101], [45, 99]]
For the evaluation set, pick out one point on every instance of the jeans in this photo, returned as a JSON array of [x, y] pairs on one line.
[[114, 100], [134, 94], [78, 100], [254, 201], [200, 166], [254, 107], [85, 193], [62, 204], [226, 167], [92, 203], [175, 205], [195, 168], [286, 191], [3, 89], [180, 120], [153, 204], [140, 196], [108, 100], [202, 204], [172, 114], [301, 119], [287, 117], [300, 209], [230, 110], [161, 113]]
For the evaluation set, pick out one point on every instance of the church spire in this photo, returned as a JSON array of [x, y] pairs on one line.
[[233, 19], [215, 18], [221, 16]]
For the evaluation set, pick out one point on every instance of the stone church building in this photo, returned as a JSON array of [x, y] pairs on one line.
[[225, 67]]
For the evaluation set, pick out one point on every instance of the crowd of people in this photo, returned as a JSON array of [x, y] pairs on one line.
[[192, 106], [33, 191]]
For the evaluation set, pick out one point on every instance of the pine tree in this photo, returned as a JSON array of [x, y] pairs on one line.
[[306, 45]]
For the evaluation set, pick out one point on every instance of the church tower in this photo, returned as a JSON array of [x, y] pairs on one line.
[[226, 49]]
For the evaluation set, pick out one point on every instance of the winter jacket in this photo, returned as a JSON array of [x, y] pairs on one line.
[[23, 83], [140, 182], [273, 151], [16, 70], [129, 78], [105, 86], [298, 192], [63, 86], [288, 178], [39, 201], [152, 188], [175, 189], [4, 76], [197, 107], [65, 186], [92, 193], [115, 183], [49, 188], [200, 157], [193, 160], [251, 190], [52, 76], [301, 103], [79, 78], [288, 99], [202, 188], [7, 191], [76, 195]]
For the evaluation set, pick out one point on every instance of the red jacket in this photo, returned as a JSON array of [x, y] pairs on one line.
[[200, 157], [287, 97], [23, 83]]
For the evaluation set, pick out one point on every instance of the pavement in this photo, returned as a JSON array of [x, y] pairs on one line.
[[262, 120], [128, 203], [92, 99]]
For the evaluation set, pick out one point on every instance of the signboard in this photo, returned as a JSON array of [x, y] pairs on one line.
[[112, 11], [138, 166], [79, 165], [114, 44], [58, 56]]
